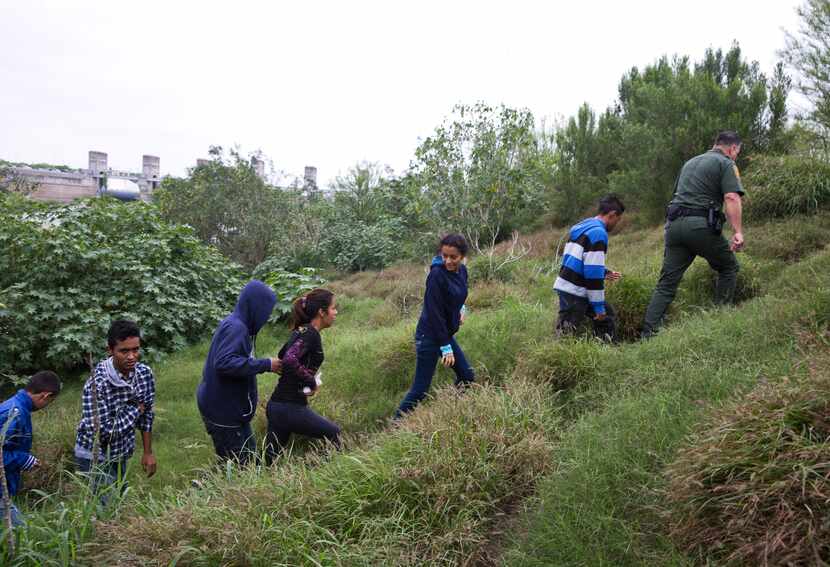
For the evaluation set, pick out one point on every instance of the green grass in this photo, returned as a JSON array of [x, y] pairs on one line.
[[599, 506], [563, 444]]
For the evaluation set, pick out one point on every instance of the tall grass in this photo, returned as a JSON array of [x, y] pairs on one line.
[[437, 488], [426, 492], [599, 507], [752, 485]]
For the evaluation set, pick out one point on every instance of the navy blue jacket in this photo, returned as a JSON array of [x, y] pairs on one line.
[[17, 446], [227, 394], [444, 296]]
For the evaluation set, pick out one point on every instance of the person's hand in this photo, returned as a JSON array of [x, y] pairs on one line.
[[737, 243], [141, 408], [600, 317], [37, 464], [276, 365], [148, 463], [448, 360], [612, 275], [461, 319]]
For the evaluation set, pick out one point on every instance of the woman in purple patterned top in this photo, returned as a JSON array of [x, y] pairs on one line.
[[302, 356]]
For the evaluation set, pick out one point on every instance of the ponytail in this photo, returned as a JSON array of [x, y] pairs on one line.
[[307, 306]]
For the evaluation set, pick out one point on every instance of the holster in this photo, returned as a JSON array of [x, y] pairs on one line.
[[673, 212], [715, 220]]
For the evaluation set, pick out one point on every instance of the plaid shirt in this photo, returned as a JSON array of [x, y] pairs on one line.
[[118, 413]]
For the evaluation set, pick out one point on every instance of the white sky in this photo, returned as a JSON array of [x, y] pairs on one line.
[[326, 83]]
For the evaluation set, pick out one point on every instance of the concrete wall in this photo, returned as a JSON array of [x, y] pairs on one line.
[[59, 186]]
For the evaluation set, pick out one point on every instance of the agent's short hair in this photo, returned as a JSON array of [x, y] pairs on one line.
[[610, 203], [44, 381], [120, 330], [728, 138]]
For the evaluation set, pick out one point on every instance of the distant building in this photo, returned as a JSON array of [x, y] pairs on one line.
[[97, 179]]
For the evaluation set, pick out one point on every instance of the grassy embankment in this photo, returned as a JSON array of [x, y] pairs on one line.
[[602, 421]]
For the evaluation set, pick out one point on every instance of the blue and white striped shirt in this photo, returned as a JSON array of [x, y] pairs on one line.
[[583, 264]]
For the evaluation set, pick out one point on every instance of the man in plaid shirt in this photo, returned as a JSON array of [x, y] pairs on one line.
[[126, 393]]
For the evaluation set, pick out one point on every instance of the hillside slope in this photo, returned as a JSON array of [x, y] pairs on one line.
[[556, 458]]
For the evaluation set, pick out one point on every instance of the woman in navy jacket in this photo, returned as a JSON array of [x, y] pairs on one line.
[[441, 316]]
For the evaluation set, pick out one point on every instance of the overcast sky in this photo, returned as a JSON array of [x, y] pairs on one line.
[[326, 83]]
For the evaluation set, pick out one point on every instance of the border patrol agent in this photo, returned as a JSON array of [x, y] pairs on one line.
[[693, 225]]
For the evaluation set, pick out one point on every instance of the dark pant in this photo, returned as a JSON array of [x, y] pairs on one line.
[[574, 310], [686, 238], [104, 476], [427, 353], [232, 442], [285, 418]]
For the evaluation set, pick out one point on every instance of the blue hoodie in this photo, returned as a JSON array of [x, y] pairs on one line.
[[227, 394], [17, 446], [444, 296]]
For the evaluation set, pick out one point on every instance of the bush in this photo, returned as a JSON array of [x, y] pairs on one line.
[[779, 186], [787, 240], [564, 363], [487, 268], [67, 271], [352, 245], [488, 295], [287, 285], [753, 485], [698, 285], [629, 296]]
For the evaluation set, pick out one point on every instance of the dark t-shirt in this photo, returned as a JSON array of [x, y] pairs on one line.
[[705, 179], [302, 356]]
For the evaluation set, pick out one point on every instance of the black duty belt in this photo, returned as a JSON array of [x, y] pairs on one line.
[[686, 212], [676, 211]]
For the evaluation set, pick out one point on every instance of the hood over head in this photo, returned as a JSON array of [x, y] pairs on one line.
[[255, 304]]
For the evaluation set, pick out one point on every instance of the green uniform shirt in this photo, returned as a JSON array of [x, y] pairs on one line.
[[705, 179]]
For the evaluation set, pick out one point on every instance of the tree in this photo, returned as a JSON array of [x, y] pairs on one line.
[[12, 182], [666, 113], [808, 53], [228, 205], [479, 172]]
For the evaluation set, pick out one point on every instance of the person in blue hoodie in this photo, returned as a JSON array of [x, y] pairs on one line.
[[441, 316], [227, 396], [16, 420]]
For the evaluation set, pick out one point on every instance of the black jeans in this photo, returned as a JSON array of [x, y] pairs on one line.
[[285, 418], [573, 310], [232, 442]]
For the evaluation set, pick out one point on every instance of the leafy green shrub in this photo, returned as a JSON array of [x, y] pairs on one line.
[[752, 486], [287, 285], [780, 186], [353, 245], [67, 271]]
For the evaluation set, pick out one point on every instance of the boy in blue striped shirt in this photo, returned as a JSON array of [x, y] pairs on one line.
[[581, 281]]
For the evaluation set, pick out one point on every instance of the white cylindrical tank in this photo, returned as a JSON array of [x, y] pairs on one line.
[[123, 189]]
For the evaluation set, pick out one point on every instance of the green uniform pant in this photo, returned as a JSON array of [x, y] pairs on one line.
[[686, 238]]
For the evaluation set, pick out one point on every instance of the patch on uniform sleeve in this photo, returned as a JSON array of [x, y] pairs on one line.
[[737, 173]]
